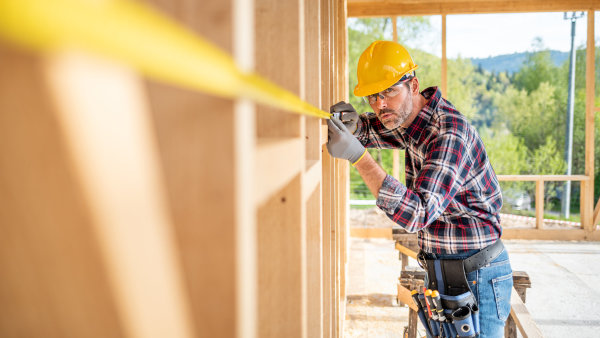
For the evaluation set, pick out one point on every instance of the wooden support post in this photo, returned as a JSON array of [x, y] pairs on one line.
[[539, 204], [53, 260], [282, 245], [202, 178], [395, 152], [312, 190], [444, 83], [329, 180], [587, 187]]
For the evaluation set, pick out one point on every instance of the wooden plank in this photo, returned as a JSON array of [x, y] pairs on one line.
[[110, 137], [328, 221], [596, 214], [362, 8], [328, 175], [405, 297], [314, 260], [53, 274], [444, 83], [406, 251], [521, 316], [546, 178], [539, 204], [396, 164], [371, 232], [245, 217], [280, 257], [395, 152], [551, 234], [277, 162], [324, 136], [219, 260], [587, 188], [311, 179]]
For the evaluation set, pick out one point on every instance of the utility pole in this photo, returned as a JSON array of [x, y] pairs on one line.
[[566, 198]]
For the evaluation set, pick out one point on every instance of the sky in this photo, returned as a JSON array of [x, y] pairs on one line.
[[484, 35]]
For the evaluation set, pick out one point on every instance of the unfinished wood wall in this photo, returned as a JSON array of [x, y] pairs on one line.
[[136, 208]]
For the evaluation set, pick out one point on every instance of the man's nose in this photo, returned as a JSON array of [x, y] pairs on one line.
[[381, 102]]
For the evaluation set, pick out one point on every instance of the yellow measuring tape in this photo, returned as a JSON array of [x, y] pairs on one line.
[[140, 37]]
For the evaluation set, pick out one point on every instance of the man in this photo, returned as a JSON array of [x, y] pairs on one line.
[[451, 197]]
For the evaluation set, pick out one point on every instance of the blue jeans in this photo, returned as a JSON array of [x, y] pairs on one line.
[[492, 290]]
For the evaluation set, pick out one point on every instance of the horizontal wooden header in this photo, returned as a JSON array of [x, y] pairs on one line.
[[363, 8], [547, 178]]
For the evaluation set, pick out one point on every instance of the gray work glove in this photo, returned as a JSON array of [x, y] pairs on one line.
[[341, 143], [348, 114]]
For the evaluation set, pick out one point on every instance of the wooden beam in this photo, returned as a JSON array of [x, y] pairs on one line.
[[109, 133], [371, 232], [311, 179], [280, 253], [314, 261], [406, 251], [328, 181], [365, 8], [395, 152], [546, 178], [596, 214], [444, 83], [54, 277], [522, 317], [587, 188], [272, 175], [551, 234], [405, 297], [539, 204]]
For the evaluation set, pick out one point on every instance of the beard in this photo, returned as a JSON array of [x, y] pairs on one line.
[[395, 117]]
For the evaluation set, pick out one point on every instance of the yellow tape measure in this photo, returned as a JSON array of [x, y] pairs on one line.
[[144, 39]]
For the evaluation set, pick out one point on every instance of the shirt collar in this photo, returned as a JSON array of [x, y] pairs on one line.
[[420, 123]]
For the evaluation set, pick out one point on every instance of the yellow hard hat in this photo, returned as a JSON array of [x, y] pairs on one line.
[[380, 66]]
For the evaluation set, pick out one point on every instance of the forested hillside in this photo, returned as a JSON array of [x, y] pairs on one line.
[[520, 115]]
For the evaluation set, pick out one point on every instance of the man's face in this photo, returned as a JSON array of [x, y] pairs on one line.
[[395, 107]]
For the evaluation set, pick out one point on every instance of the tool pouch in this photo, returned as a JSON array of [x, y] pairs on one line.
[[463, 322], [459, 303]]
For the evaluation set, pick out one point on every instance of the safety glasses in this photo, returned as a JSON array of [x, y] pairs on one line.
[[386, 94]]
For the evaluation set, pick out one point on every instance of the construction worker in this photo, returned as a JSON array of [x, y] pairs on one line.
[[451, 197]]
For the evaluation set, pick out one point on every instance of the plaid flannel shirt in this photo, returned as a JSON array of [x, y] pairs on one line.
[[452, 196]]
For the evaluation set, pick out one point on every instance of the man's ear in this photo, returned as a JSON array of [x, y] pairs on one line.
[[415, 86]]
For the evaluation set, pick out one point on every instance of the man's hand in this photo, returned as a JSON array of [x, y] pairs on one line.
[[341, 143], [348, 114]]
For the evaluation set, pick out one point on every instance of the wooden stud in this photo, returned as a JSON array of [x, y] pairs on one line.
[[315, 264], [272, 176], [395, 152], [110, 136], [280, 251], [587, 188], [444, 83], [328, 181], [539, 204], [54, 274], [225, 279]]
